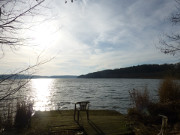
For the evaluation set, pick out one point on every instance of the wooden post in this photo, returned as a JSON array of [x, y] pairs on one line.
[[75, 112], [163, 130]]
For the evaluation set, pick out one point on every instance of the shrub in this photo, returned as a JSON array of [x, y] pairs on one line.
[[140, 100], [148, 112], [138, 116], [23, 114], [134, 114], [168, 109], [6, 120], [169, 91]]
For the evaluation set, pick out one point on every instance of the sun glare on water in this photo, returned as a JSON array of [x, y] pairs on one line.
[[42, 93]]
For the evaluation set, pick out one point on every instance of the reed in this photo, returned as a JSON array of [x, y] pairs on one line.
[[140, 99], [169, 91], [23, 114]]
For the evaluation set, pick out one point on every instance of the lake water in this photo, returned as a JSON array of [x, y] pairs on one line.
[[112, 94]]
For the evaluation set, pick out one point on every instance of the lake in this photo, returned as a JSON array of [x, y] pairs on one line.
[[112, 94]]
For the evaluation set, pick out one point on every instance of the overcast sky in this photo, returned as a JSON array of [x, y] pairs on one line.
[[91, 35]]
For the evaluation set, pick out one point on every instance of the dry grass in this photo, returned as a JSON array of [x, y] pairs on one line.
[[169, 91], [148, 112], [140, 99], [23, 114]]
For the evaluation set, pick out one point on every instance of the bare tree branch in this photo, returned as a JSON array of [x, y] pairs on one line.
[[171, 43], [11, 80], [11, 21]]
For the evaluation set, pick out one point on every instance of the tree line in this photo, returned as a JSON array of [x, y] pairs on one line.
[[140, 71]]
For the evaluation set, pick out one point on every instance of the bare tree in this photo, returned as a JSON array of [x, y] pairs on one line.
[[171, 44], [13, 14]]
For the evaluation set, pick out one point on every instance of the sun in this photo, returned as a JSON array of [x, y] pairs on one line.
[[43, 35]]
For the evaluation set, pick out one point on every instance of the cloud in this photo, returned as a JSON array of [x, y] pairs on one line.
[[95, 35]]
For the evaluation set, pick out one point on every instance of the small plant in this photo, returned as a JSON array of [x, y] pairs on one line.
[[169, 91], [23, 114]]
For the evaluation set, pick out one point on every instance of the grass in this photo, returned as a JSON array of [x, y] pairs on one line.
[[101, 122]]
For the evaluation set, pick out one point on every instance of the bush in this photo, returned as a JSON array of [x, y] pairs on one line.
[[140, 100], [170, 110], [169, 91], [148, 112], [6, 118], [135, 114], [23, 114], [138, 116]]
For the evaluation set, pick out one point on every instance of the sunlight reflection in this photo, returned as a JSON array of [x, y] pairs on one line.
[[42, 93]]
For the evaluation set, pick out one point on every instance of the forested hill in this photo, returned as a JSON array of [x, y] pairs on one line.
[[140, 71]]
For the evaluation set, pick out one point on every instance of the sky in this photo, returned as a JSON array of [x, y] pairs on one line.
[[92, 35]]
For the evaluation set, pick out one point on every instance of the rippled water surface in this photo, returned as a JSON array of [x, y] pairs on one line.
[[49, 94]]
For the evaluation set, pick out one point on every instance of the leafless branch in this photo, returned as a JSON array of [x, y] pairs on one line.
[[11, 21], [171, 43]]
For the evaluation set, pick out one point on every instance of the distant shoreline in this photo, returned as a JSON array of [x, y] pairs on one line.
[[147, 71], [21, 76]]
